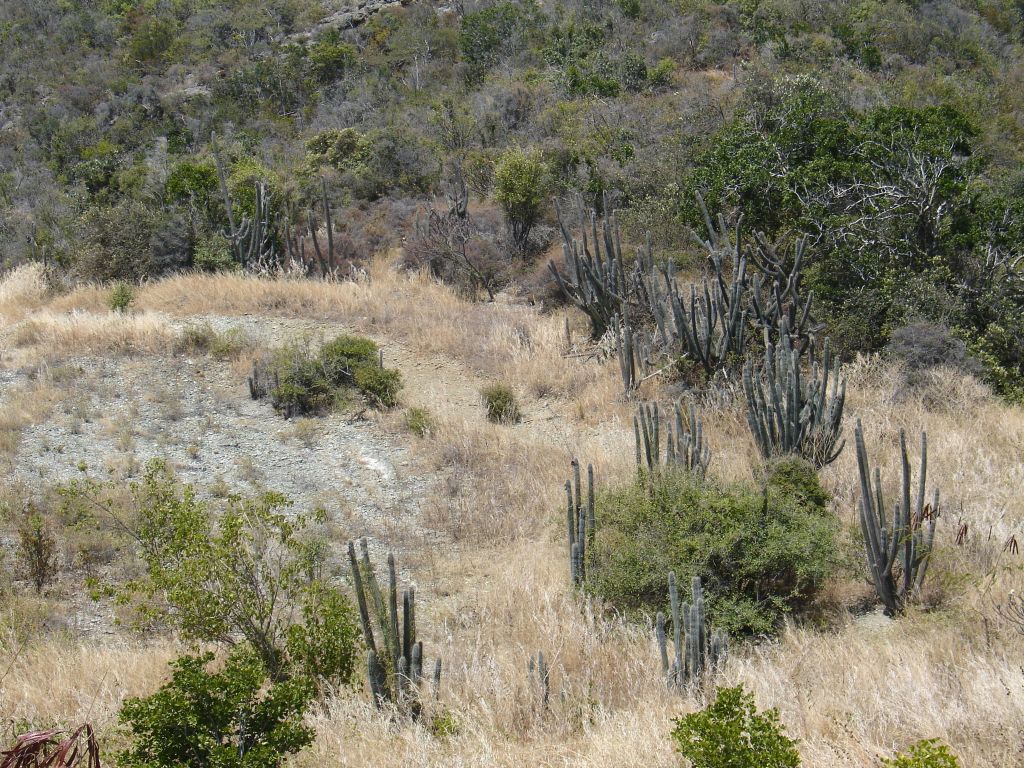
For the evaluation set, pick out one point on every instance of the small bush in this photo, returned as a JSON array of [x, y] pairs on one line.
[[37, 550], [301, 381], [925, 345], [229, 719], [379, 385], [929, 753], [796, 478], [500, 401], [521, 183], [203, 338], [761, 553], [420, 422], [344, 354], [731, 733], [213, 254], [302, 384], [121, 298]]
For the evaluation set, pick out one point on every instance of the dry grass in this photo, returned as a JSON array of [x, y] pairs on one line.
[[496, 591]]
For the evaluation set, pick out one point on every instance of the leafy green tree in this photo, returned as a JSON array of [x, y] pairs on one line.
[[490, 34], [231, 718], [731, 733], [521, 183], [247, 576]]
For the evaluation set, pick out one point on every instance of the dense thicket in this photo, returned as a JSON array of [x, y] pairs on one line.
[[889, 132]]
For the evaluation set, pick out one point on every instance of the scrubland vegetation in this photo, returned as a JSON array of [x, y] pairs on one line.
[[511, 383]]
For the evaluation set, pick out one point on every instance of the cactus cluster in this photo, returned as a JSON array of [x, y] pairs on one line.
[[395, 660], [781, 300], [709, 324], [595, 278], [684, 443], [651, 315], [251, 238], [791, 412], [907, 539], [695, 649], [580, 522]]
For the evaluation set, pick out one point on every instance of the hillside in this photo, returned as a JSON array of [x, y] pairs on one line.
[[280, 277]]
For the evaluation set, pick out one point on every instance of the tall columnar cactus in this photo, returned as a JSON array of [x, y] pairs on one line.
[[789, 412], [595, 277], [696, 651], [395, 659], [580, 521], [905, 540], [710, 324], [540, 678], [779, 299], [252, 239], [684, 443]]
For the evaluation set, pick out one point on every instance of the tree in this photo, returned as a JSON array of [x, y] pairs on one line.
[[247, 577], [521, 181], [227, 719]]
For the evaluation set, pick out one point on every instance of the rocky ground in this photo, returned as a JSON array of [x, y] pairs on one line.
[[110, 416]]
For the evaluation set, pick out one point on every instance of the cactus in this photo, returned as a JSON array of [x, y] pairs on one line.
[[633, 354], [252, 239], [395, 657], [695, 650], [595, 281], [540, 678], [784, 302], [908, 541], [710, 326], [580, 521], [790, 414], [684, 442]]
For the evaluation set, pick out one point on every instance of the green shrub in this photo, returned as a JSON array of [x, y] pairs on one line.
[[501, 404], [302, 381], [929, 753], [203, 338], [355, 361], [247, 575], [761, 553], [521, 182], [731, 733], [303, 385], [796, 478], [121, 298], [420, 422], [37, 550], [342, 355], [226, 719], [213, 254], [379, 385]]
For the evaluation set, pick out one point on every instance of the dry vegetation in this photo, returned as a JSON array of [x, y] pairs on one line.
[[497, 590]]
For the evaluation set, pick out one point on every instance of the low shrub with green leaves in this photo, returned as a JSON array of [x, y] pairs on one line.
[[37, 550], [420, 422], [928, 753], [501, 404], [121, 297], [231, 718], [243, 574], [203, 338], [301, 380], [731, 733], [379, 385], [761, 552]]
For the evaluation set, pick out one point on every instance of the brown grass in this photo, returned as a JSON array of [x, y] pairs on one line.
[[492, 572]]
